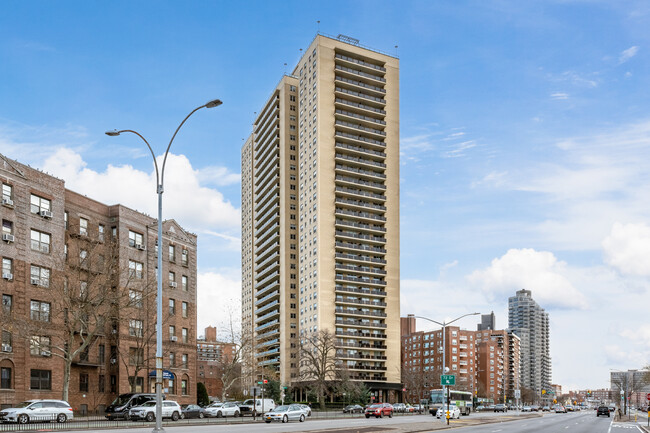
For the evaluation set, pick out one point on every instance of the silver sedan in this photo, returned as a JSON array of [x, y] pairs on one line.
[[286, 413]]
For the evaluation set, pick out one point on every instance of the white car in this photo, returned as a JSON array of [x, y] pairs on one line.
[[454, 412], [224, 409], [286, 413], [37, 410], [147, 411]]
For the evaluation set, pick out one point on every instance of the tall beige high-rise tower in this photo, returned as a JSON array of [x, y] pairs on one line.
[[320, 215]]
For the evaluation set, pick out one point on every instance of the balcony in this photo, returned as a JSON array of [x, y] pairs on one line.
[[358, 127], [365, 324], [267, 325], [359, 73], [365, 269], [360, 215], [361, 334], [361, 172], [360, 138], [268, 343], [360, 258], [268, 334], [357, 301], [360, 62], [363, 162], [368, 292], [360, 204], [263, 291], [358, 105], [267, 316], [360, 247], [267, 353], [364, 183], [270, 361], [376, 90], [267, 279], [360, 356], [267, 306], [358, 312], [266, 269], [353, 235], [361, 280], [372, 120], [266, 298], [364, 97]]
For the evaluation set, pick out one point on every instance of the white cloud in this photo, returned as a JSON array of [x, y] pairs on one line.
[[628, 54], [559, 96], [195, 206], [627, 248], [219, 176], [218, 297], [538, 271]]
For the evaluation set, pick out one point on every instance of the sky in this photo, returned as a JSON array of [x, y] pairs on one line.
[[524, 142]]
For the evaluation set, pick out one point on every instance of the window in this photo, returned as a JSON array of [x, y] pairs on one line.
[[100, 232], [101, 382], [7, 268], [7, 303], [7, 193], [102, 354], [172, 279], [184, 389], [184, 308], [40, 241], [39, 345], [135, 328], [136, 239], [135, 297], [184, 283], [113, 383], [40, 311], [172, 359], [172, 253], [184, 360], [5, 377], [7, 342], [137, 383], [136, 356], [41, 379], [83, 228], [135, 269], [172, 331], [83, 382], [184, 335], [185, 257], [172, 307], [40, 204], [7, 227], [40, 276]]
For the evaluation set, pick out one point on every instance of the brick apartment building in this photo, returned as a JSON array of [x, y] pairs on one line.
[[74, 269], [485, 363], [212, 357]]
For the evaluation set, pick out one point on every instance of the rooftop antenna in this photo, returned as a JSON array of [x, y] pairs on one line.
[[396, 52], [318, 26], [285, 68]]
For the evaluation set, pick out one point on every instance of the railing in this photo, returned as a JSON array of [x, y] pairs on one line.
[[360, 84], [361, 291], [360, 225], [360, 302], [360, 203], [360, 138], [360, 323], [359, 105], [358, 257], [359, 73], [360, 269], [361, 334], [360, 95], [366, 183], [359, 116], [266, 298], [359, 312], [365, 215], [360, 247], [360, 127], [360, 62]]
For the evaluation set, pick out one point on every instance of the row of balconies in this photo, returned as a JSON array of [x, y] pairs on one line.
[[363, 96], [366, 269], [362, 215], [268, 325], [359, 312], [359, 192], [360, 226], [342, 101], [361, 172], [360, 62], [267, 353], [266, 307], [267, 289], [360, 161], [347, 300], [268, 343], [365, 183], [359, 334], [360, 203], [270, 333], [361, 258], [266, 298], [356, 83], [359, 73], [374, 346], [362, 247], [369, 292], [361, 128], [359, 116], [354, 235], [364, 323], [343, 355], [267, 316], [360, 138]]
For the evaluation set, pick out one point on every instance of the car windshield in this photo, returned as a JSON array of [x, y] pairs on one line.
[[23, 404], [122, 400], [375, 406], [281, 409], [149, 403]]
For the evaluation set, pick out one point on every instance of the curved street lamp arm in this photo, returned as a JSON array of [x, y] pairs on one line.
[[464, 315], [155, 163], [430, 320], [162, 172]]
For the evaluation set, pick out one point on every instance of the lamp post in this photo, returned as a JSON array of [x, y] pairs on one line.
[[444, 326], [160, 175]]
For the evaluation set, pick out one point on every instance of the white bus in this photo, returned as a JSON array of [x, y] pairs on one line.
[[462, 399]]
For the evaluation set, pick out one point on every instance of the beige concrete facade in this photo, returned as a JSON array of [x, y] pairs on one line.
[[335, 124]]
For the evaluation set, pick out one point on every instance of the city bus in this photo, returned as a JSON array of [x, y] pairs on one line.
[[462, 399]]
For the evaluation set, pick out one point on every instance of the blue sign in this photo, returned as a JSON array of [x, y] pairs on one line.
[[166, 374]]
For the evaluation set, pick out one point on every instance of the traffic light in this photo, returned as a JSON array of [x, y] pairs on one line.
[[543, 391], [265, 381]]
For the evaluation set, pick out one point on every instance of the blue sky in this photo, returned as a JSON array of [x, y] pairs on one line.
[[525, 142]]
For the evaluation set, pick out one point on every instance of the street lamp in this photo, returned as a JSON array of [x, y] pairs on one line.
[[444, 326], [160, 175]]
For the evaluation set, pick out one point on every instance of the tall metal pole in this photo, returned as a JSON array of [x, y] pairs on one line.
[[160, 175]]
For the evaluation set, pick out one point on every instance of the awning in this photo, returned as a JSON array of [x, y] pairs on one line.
[[166, 374]]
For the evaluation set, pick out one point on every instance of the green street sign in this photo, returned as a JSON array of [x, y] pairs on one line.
[[260, 382], [447, 379]]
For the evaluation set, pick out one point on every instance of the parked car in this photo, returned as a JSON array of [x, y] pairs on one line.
[[305, 408], [379, 410], [560, 409], [454, 412], [37, 411], [546, 409], [602, 410], [260, 406], [500, 408], [119, 408], [192, 411], [418, 408], [147, 412], [229, 408], [286, 413], [353, 408], [399, 407], [526, 409], [211, 410]]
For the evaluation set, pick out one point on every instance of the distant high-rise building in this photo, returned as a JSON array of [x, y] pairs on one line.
[[530, 323], [320, 215], [488, 322]]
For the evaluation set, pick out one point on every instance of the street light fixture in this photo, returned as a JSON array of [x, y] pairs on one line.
[[444, 348], [159, 190]]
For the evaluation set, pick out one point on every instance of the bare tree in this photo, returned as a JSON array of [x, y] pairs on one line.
[[230, 361], [318, 363]]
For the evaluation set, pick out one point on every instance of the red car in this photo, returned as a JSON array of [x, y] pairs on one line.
[[379, 410]]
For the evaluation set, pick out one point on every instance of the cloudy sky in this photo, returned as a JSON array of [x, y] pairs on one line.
[[525, 142]]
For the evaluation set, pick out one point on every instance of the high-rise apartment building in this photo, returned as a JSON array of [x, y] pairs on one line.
[[320, 214], [530, 323], [498, 360], [74, 268]]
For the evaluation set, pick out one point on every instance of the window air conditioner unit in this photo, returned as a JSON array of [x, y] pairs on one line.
[[140, 247], [113, 331], [36, 281], [113, 361], [7, 276], [8, 202], [173, 338], [46, 353], [46, 214], [8, 237], [6, 348], [173, 284]]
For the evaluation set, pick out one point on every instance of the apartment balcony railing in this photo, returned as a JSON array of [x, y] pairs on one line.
[[360, 269], [266, 298], [360, 160], [366, 324], [355, 312], [360, 236], [360, 62], [267, 279], [364, 215], [372, 195], [266, 307], [343, 355], [267, 353], [360, 247], [267, 316], [361, 334], [369, 292], [267, 325], [267, 261], [345, 343], [360, 138], [268, 343], [360, 203], [269, 362], [359, 302], [365, 183], [361, 280], [357, 83], [359, 116], [359, 105], [267, 289], [360, 95], [360, 258], [268, 334], [360, 73], [360, 171], [359, 127]]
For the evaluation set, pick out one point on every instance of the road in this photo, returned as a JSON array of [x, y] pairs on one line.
[[578, 422]]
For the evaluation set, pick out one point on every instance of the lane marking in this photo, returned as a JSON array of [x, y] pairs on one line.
[[611, 423]]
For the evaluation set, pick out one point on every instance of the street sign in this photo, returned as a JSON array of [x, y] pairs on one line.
[[648, 397], [517, 393], [447, 379]]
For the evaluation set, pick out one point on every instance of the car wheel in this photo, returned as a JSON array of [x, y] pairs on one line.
[[302, 418], [219, 415], [201, 415], [150, 417], [285, 419], [175, 416], [390, 414], [236, 414], [367, 416], [268, 421], [23, 419], [61, 418]]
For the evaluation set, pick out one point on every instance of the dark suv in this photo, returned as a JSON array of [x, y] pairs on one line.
[[602, 410], [120, 407]]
